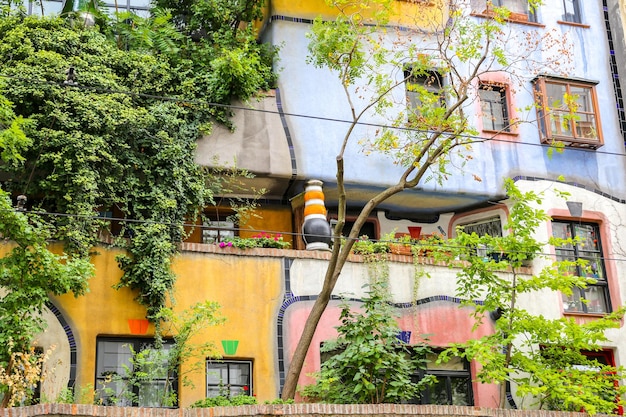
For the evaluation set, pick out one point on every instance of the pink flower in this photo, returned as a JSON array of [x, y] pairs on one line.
[[222, 244]]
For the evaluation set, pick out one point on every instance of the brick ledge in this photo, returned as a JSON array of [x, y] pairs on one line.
[[262, 410]]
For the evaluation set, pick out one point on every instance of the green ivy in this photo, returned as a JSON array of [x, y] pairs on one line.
[[106, 141]]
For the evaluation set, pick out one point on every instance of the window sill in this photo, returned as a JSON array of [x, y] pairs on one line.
[[500, 133], [573, 143], [576, 24], [512, 19], [582, 318]]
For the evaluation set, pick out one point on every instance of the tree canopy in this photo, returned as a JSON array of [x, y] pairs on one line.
[[115, 111]]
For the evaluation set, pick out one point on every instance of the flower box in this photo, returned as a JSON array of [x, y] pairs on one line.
[[400, 249]]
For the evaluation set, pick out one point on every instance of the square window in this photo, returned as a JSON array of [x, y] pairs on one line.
[[119, 377], [453, 385], [594, 298], [218, 224], [424, 88], [567, 112], [571, 11], [494, 108], [520, 10], [228, 378]]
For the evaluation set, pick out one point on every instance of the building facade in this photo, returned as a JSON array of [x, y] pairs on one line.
[[294, 135]]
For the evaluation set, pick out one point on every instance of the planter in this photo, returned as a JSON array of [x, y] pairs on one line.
[[138, 326], [230, 346], [400, 249]]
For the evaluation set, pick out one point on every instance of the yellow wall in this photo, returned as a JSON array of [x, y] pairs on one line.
[[248, 289], [405, 12], [274, 219], [277, 219]]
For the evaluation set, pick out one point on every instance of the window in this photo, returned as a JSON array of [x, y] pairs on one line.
[[520, 11], [594, 298], [571, 9], [491, 226], [117, 373], [454, 382], [50, 7], [370, 228], [494, 107], [423, 86], [567, 111], [452, 387], [228, 378], [138, 7], [218, 224]]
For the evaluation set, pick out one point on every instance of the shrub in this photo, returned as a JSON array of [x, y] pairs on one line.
[[223, 401]]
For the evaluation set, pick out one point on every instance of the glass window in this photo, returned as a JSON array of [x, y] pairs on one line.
[[218, 224], [121, 380], [424, 86], [594, 298], [494, 108], [228, 378], [453, 385], [567, 112], [519, 8], [571, 11]]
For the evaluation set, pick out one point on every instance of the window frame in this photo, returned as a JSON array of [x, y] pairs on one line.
[[547, 122], [576, 15], [243, 391], [582, 252], [447, 376], [503, 91], [517, 16], [216, 225], [138, 345], [436, 86]]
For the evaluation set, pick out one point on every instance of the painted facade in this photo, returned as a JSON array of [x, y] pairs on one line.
[[267, 294]]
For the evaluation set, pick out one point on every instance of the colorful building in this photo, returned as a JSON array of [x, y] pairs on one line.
[[293, 136]]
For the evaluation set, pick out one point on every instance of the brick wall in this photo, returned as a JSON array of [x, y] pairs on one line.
[[295, 410]]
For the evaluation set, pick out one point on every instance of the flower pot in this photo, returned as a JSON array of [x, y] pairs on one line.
[[230, 346], [138, 326], [415, 232]]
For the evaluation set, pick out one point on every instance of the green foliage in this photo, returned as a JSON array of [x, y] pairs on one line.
[[540, 355], [162, 362], [106, 142], [364, 246], [139, 375], [29, 272], [224, 401], [185, 325], [280, 401], [262, 240], [371, 365]]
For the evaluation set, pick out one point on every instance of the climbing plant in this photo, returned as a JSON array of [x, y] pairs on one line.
[[115, 118], [29, 271]]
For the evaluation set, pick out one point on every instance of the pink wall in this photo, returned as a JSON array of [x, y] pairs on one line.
[[442, 322]]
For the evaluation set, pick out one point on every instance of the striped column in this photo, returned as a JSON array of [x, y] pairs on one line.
[[315, 229]]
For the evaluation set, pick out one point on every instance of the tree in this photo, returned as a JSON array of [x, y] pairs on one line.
[[372, 63], [541, 356], [370, 364], [29, 272]]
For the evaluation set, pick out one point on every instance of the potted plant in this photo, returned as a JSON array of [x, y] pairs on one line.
[[401, 244]]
